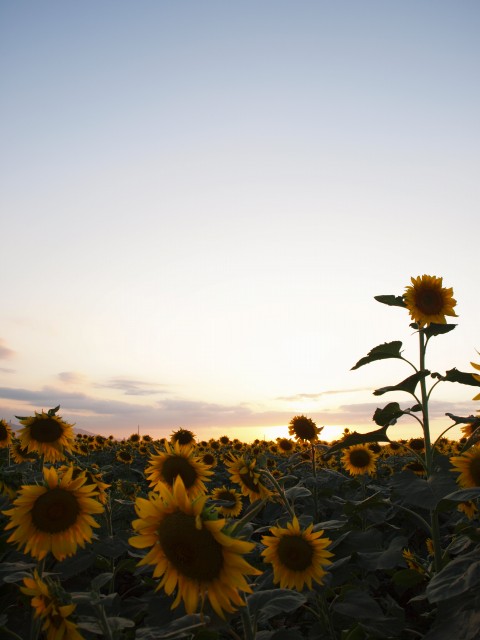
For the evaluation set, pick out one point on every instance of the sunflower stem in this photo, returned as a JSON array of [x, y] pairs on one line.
[[281, 492], [248, 628], [314, 472], [10, 632], [435, 523], [107, 632]]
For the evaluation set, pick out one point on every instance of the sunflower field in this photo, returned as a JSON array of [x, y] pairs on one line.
[[143, 539]]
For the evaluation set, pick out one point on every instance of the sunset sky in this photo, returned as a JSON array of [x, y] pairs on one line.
[[200, 200]]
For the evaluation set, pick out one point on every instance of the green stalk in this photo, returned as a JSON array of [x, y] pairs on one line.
[[281, 492], [314, 472], [437, 548]]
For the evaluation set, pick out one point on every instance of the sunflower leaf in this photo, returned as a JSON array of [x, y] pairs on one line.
[[379, 435], [269, 603], [391, 300], [381, 352], [453, 375], [461, 575], [435, 329], [462, 495], [388, 415], [408, 385]]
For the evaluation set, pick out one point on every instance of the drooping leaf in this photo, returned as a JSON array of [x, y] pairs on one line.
[[271, 602], [408, 385], [434, 329], [52, 412], [379, 435], [381, 352], [383, 560], [453, 375], [462, 495], [460, 575], [391, 300], [388, 415]]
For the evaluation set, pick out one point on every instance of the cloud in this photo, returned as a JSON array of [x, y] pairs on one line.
[[5, 352], [133, 387], [5, 370], [319, 394], [72, 377]]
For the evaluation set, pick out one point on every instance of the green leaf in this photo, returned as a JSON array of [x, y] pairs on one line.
[[381, 352], [271, 602], [459, 576], [388, 415], [408, 385], [459, 376], [391, 300], [359, 605], [101, 580], [462, 495], [434, 329], [383, 560], [52, 412], [379, 435]]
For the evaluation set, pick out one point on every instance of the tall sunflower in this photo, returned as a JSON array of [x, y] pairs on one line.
[[55, 516], [303, 428], [178, 460], [359, 459], [191, 552], [476, 376], [231, 501], [468, 466], [182, 436], [297, 555], [6, 434], [428, 301], [47, 434], [49, 606], [246, 474]]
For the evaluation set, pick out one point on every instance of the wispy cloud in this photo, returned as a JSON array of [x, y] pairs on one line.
[[133, 387], [5, 352], [320, 394], [72, 377], [6, 370]]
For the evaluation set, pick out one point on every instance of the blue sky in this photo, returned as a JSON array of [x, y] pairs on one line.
[[200, 200]]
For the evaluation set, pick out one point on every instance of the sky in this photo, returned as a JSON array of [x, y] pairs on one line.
[[200, 200]]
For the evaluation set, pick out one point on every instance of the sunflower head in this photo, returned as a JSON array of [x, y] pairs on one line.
[[303, 428], [230, 501], [428, 301], [468, 466], [191, 552], [54, 517], [359, 459], [247, 474], [47, 434], [178, 460], [183, 437], [298, 556], [123, 455], [6, 434]]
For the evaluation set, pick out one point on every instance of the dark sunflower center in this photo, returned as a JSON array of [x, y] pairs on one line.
[[227, 496], [183, 437], [249, 481], [360, 458], [295, 553], [177, 466], [55, 511], [285, 445], [475, 471], [194, 553], [208, 458], [3, 432], [305, 429], [429, 301], [46, 430]]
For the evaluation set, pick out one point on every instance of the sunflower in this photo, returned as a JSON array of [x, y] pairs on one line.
[[55, 516], [20, 454], [412, 561], [6, 434], [232, 500], [359, 459], [209, 459], [247, 475], [297, 555], [190, 551], [182, 436], [49, 607], [476, 376], [47, 434], [91, 476], [124, 456], [303, 428], [417, 468], [469, 508], [428, 301], [178, 460], [468, 465]]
